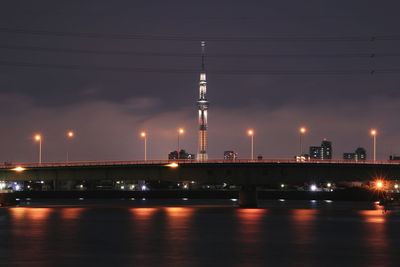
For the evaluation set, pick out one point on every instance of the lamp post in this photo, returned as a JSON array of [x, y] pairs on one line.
[[374, 132], [70, 136], [38, 138], [302, 131], [144, 136], [180, 131], [250, 133]]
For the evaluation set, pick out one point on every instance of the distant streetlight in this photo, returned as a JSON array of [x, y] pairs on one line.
[[38, 138], [144, 136], [70, 136], [302, 132], [250, 133], [374, 133], [180, 131]]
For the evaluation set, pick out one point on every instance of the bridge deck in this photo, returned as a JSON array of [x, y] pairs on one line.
[[165, 162]]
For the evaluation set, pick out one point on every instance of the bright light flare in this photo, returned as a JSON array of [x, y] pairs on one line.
[[379, 184], [303, 130], [18, 169], [143, 134], [374, 132], [172, 165], [250, 132], [313, 187], [181, 131]]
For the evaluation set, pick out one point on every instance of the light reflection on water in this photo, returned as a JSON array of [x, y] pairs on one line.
[[198, 236], [178, 231], [375, 238], [71, 213]]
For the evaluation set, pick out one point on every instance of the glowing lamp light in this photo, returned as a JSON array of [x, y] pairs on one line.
[[396, 186], [18, 169], [379, 184], [374, 132], [313, 187], [282, 185], [172, 165], [303, 130], [181, 131], [250, 132], [143, 134], [70, 134], [328, 184], [38, 137]]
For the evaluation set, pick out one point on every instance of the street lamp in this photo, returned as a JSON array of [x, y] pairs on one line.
[[250, 133], [180, 131], [144, 136], [38, 138], [374, 132], [70, 136], [302, 132]]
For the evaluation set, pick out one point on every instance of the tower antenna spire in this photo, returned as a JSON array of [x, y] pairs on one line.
[[203, 55]]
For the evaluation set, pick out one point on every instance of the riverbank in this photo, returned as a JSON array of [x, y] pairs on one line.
[[353, 194]]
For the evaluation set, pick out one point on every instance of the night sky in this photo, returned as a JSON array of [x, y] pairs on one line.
[[110, 69]]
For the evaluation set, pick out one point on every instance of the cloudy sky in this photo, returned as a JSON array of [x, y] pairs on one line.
[[110, 69]]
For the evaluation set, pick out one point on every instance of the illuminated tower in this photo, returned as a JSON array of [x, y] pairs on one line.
[[202, 104]]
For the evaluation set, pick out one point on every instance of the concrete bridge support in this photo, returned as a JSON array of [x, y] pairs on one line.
[[248, 196]]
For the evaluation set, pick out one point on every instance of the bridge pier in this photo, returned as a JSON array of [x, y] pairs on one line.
[[248, 196]]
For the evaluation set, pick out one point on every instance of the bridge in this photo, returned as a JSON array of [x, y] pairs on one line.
[[247, 173]]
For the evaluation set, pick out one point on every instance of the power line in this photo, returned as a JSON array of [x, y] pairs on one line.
[[181, 37], [158, 54], [192, 71]]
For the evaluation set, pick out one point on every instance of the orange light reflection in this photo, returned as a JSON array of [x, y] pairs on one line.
[[71, 213], [182, 212], [143, 213], [250, 215], [303, 225], [373, 216], [34, 214], [375, 237]]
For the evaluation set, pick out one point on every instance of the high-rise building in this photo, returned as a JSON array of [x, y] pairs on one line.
[[326, 149], [321, 152], [361, 153], [202, 104]]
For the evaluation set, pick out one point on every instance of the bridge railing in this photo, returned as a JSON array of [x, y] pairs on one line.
[[184, 161]]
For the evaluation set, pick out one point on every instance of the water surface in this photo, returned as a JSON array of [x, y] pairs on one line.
[[198, 233]]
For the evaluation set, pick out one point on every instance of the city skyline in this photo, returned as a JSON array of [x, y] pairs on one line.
[[262, 66]]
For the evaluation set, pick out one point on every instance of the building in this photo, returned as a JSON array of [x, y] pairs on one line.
[[394, 157], [349, 156], [182, 155], [359, 154], [326, 149], [202, 105], [321, 152], [230, 155], [315, 152]]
